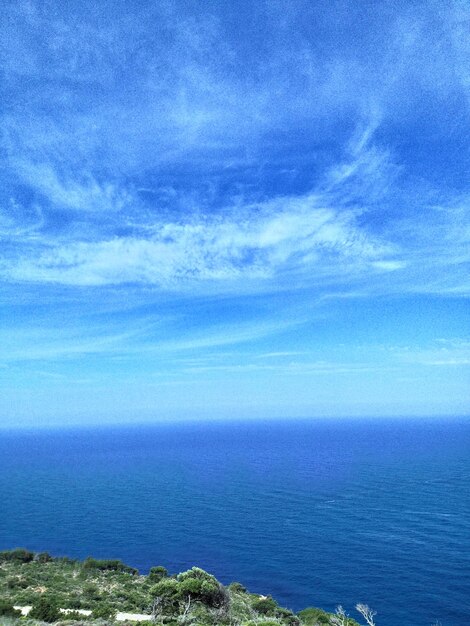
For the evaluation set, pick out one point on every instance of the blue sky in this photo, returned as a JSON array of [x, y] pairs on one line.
[[225, 210]]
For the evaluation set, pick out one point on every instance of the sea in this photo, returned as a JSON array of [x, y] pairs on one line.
[[314, 512]]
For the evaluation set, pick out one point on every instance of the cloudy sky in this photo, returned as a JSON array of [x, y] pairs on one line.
[[233, 209]]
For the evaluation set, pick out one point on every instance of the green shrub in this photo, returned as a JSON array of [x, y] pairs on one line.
[[104, 611], [16, 583], [194, 585], [65, 560], [74, 601], [45, 609], [108, 565], [237, 587], [202, 587], [43, 557], [167, 593], [314, 617], [287, 616], [24, 598], [91, 593], [265, 606], [7, 609], [18, 555], [157, 573], [75, 616]]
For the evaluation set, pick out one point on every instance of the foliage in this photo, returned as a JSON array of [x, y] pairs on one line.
[[265, 605], [202, 587], [287, 616], [191, 598], [46, 609], [74, 585], [18, 555], [104, 611], [113, 565], [312, 616], [7, 609], [157, 573], [167, 595], [181, 594], [237, 587], [13, 582], [75, 616]]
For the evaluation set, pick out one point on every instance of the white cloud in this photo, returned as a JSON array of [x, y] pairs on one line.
[[155, 339], [389, 266], [283, 235], [91, 133], [443, 353], [80, 192]]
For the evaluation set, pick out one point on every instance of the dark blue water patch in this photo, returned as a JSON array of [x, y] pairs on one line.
[[314, 512]]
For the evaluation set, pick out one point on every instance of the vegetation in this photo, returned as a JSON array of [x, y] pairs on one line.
[[105, 588], [114, 566], [104, 611], [45, 609], [7, 609], [20, 555]]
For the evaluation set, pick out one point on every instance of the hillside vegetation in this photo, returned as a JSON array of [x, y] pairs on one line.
[[108, 587]]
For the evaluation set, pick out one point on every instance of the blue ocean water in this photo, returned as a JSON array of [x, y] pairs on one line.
[[314, 512]]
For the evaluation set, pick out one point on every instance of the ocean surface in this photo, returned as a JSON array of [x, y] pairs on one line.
[[314, 512]]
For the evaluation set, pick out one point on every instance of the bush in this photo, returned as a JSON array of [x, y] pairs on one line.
[[65, 560], [43, 557], [195, 585], [157, 573], [45, 609], [109, 565], [265, 606], [287, 616], [168, 594], [237, 588], [74, 601], [7, 609], [104, 611], [19, 555], [314, 617], [202, 587], [16, 583], [75, 616], [91, 592]]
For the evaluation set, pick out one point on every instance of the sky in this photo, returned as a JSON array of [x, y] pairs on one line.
[[225, 210]]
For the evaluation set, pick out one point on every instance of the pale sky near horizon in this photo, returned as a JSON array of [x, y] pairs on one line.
[[230, 210]]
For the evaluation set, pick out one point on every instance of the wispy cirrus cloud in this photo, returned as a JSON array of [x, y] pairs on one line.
[[150, 339], [443, 353], [279, 236], [326, 233]]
